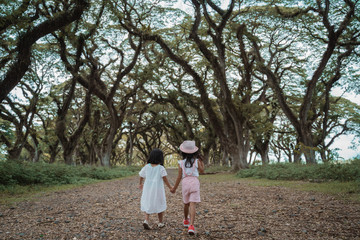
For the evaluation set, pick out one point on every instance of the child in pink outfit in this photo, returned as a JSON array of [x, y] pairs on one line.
[[188, 172]]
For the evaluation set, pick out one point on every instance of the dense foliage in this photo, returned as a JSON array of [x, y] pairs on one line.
[[317, 173], [15, 173], [103, 82]]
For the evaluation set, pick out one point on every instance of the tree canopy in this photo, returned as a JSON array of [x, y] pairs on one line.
[[104, 82]]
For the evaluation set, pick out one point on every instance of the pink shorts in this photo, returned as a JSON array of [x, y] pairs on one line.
[[190, 189]]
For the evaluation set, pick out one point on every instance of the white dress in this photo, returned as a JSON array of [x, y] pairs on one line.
[[153, 199]]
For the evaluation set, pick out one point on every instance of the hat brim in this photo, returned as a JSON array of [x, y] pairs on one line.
[[188, 150]]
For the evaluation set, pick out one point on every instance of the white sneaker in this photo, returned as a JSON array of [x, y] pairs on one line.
[[161, 225], [146, 225]]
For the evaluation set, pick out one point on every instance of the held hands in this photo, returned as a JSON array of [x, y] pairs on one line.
[[173, 189]]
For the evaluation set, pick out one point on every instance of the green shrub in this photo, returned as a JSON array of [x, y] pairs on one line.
[[15, 173], [289, 171]]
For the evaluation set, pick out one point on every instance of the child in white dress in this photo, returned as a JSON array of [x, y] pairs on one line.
[[153, 199]]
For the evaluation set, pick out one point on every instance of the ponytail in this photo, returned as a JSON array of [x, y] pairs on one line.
[[189, 159]]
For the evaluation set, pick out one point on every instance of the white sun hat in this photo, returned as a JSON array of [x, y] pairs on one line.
[[188, 147]]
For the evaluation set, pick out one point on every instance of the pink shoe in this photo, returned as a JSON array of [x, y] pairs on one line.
[[186, 222], [191, 230]]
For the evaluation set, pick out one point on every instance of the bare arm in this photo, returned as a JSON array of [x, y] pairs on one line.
[[166, 181], [201, 166], [178, 179], [141, 184]]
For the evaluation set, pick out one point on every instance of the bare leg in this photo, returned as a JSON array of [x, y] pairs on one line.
[[146, 222], [147, 216], [186, 211], [192, 212], [161, 216]]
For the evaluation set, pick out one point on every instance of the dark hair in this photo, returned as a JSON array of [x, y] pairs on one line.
[[190, 158], [156, 157]]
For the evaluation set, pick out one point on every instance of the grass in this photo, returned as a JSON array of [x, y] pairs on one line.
[[17, 193], [342, 190], [348, 191], [343, 172], [25, 173], [216, 169], [219, 177], [339, 179], [26, 181]]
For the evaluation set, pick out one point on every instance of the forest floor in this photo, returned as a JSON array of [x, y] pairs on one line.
[[231, 208]]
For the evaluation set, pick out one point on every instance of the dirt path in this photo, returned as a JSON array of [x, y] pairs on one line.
[[229, 210]]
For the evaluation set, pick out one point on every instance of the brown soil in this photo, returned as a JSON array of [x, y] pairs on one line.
[[229, 210]]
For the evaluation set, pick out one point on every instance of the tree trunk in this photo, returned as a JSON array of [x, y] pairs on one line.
[[14, 153], [309, 153], [68, 155], [236, 161], [107, 145], [323, 156], [307, 147], [297, 157], [129, 148], [264, 156], [289, 155], [37, 153], [70, 143], [244, 151], [105, 158], [54, 151], [262, 147], [225, 159], [93, 156], [239, 158], [310, 156], [206, 153]]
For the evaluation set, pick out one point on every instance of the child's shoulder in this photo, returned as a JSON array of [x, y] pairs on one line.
[[145, 166]]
